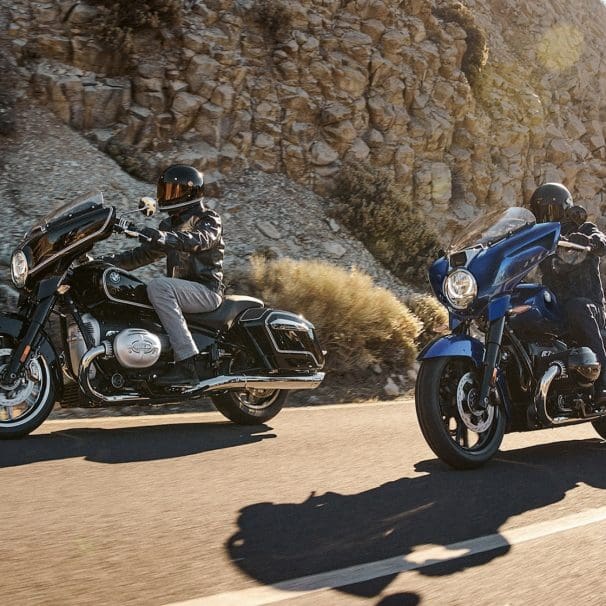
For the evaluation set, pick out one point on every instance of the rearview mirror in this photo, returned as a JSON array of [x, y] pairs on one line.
[[147, 206]]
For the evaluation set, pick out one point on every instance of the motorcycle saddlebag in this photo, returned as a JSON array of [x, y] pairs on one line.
[[288, 341]]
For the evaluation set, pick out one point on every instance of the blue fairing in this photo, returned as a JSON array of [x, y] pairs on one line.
[[500, 267], [460, 346]]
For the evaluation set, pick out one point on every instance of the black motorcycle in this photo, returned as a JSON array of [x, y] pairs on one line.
[[112, 343]]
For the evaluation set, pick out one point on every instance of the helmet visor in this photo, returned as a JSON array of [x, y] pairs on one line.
[[167, 192], [551, 211]]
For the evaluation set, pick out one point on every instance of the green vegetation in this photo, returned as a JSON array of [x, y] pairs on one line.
[[370, 204]]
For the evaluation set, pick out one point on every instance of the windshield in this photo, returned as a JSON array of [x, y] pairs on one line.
[[78, 205], [491, 228]]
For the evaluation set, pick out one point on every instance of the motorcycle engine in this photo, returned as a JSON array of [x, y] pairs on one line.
[[580, 366], [137, 348]]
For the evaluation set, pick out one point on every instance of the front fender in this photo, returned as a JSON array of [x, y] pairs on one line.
[[454, 346], [15, 326], [464, 346]]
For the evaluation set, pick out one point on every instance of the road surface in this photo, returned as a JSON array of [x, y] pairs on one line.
[[332, 505]]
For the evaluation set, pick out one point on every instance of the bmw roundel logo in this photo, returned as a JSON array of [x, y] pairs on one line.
[[114, 277]]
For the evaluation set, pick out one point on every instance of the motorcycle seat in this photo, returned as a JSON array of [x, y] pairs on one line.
[[225, 314]]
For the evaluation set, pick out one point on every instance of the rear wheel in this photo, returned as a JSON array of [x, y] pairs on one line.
[[600, 426], [25, 405], [457, 431], [251, 406]]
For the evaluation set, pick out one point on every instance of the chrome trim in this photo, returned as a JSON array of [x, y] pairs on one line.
[[120, 271], [540, 400], [222, 383], [289, 325], [34, 269], [300, 323]]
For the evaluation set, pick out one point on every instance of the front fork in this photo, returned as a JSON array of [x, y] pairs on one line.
[[494, 338], [46, 297]]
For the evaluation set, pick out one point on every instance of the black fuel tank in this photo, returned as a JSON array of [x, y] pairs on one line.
[[98, 282]]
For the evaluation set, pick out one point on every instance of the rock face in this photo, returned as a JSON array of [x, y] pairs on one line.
[[299, 87]]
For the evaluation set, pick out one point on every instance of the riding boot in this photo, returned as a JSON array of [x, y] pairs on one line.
[[180, 373]]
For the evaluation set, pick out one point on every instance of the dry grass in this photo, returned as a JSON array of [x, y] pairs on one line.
[[358, 322], [432, 313]]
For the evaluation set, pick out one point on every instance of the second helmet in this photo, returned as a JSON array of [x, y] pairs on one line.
[[550, 201]]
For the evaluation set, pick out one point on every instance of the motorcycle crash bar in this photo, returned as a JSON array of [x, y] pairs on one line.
[[220, 383]]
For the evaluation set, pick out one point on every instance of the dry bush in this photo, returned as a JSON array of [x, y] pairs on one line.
[[273, 16], [120, 18], [476, 54], [358, 322], [432, 313], [370, 204]]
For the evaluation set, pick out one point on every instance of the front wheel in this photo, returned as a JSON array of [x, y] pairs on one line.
[[251, 406], [24, 406], [446, 397]]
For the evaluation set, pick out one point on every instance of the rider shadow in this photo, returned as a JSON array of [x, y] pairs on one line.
[[130, 444], [280, 541]]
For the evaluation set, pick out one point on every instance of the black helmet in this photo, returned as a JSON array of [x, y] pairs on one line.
[[550, 202], [179, 186]]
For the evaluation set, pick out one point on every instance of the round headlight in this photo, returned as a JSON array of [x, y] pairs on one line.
[[19, 268], [460, 288]]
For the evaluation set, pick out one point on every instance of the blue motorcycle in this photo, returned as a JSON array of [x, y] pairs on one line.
[[508, 363]]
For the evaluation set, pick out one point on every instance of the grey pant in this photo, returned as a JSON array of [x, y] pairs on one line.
[[171, 298]]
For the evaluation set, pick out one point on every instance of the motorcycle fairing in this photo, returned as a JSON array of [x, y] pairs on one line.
[[498, 268]]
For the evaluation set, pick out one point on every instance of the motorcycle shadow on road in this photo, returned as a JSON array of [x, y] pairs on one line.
[[281, 541], [130, 444]]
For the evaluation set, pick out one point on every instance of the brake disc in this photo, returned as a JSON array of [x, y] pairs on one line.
[[468, 395], [24, 389]]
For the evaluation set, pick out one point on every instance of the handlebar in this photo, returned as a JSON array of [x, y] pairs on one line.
[[573, 246], [120, 226]]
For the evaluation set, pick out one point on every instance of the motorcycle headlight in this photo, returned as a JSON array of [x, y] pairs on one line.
[[19, 268], [460, 288]]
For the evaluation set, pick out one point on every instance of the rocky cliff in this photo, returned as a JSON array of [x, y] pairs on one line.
[[468, 105]]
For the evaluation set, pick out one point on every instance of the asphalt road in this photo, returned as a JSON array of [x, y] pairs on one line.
[[162, 510]]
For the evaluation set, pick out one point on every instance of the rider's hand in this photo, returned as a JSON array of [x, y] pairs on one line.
[[579, 238], [124, 225], [155, 236]]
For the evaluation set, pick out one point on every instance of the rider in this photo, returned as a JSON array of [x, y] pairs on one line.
[[191, 238], [579, 291]]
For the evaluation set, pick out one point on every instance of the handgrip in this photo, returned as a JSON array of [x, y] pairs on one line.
[[573, 246]]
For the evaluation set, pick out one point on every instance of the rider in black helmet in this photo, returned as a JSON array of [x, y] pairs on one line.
[[578, 288], [191, 239]]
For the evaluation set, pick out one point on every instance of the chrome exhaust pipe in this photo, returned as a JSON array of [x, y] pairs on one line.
[[222, 383], [540, 400]]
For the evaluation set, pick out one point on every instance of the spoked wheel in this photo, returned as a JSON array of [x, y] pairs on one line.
[[251, 406], [456, 429], [27, 403]]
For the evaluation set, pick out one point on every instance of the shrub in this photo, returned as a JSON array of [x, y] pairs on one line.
[[358, 322], [381, 216], [273, 16], [432, 313], [476, 54], [123, 17]]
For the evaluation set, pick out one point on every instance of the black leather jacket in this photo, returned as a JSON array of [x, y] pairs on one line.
[[582, 280], [192, 243]]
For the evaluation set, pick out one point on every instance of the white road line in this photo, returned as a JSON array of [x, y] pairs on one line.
[[259, 596]]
